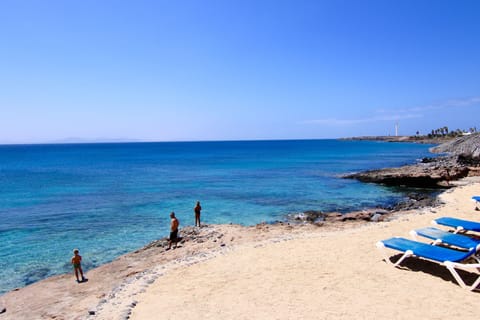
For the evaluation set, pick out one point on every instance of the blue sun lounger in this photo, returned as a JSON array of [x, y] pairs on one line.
[[459, 224], [452, 239], [451, 259]]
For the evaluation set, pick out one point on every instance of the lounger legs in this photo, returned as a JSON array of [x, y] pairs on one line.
[[451, 266], [467, 267], [405, 255]]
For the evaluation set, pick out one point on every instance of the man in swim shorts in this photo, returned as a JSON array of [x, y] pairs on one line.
[[173, 230]]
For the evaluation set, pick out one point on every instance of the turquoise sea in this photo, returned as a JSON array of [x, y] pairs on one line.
[[109, 199]]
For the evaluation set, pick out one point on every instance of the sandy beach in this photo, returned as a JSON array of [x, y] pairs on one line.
[[265, 272]]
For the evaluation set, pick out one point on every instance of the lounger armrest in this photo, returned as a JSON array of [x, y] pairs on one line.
[[414, 235]]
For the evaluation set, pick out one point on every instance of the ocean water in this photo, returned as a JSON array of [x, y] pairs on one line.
[[109, 199]]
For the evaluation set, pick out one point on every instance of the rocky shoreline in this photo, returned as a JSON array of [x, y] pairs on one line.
[[462, 160], [415, 200]]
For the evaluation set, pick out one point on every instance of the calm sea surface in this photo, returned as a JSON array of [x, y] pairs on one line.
[[108, 199]]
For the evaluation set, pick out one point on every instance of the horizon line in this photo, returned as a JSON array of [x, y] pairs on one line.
[[118, 141]]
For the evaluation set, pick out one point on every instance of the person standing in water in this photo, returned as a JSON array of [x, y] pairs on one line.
[[197, 210]]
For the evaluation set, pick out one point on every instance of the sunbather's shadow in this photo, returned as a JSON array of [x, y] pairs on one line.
[[434, 269]]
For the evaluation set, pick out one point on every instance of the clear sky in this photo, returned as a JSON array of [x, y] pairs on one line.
[[233, 70]]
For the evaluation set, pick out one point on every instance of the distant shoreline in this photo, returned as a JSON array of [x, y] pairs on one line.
[[415, 139]]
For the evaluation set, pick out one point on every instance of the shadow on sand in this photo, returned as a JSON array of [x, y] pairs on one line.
[[435, 269]]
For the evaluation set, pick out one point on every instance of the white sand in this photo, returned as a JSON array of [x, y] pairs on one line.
[[322, 275]]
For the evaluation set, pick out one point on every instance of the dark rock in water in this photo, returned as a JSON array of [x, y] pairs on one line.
[[332, 216], [362, 215], [307, 216], [415, 200], [313, 215], [373, 214], [36, 275], [417, 196]]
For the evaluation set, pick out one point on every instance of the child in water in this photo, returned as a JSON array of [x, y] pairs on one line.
[[77, 266]]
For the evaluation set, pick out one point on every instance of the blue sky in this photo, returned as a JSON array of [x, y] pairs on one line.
[[235, 70]]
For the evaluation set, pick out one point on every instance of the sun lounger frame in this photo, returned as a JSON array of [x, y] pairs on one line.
[[450, 265]]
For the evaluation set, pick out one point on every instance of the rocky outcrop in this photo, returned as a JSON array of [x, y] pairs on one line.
[[466, 148], [319, 217], [467, 145], [414, 200], [427, 174], [190, 234], [463, 156]]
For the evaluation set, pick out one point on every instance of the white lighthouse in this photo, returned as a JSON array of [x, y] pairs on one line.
[[396, 129]]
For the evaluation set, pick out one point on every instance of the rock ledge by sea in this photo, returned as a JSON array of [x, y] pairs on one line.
[[461, 159]]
